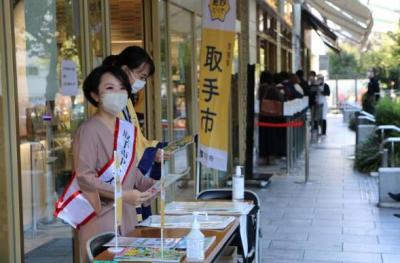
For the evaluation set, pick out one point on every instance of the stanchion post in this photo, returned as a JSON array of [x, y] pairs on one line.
[[307, 149], [337, 93], [287, 148]]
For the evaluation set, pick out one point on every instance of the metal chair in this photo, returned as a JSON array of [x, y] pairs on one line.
[[94, 246], [253, 224]]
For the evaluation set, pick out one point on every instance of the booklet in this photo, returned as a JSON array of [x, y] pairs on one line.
[[179, 144], [186, 221], [137, 242], [149, 255]]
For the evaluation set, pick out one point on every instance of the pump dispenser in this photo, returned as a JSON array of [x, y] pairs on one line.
[[195, 242], [238, 184]]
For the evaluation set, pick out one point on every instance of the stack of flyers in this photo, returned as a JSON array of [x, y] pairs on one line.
[[138, 242]]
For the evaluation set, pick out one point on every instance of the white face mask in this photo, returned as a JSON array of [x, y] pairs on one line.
[[114, 102], [138, 85]]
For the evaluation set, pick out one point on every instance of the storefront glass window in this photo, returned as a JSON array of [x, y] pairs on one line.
[[4, 224], [126, 24], [162, 16], [273, 3], [181, 73], [260, 19], [96, 32], [288, 11], [199, 28], [127, 30], [51, 107]]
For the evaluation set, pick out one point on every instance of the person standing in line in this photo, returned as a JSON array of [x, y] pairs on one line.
[[324, 91], [303, 83], [295, 82], [314, 106]]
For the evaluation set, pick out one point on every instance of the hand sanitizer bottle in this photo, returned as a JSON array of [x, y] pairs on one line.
[[238, 184], [195, 242]]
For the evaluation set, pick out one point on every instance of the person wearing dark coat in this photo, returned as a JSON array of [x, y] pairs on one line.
[[272, 141], [303, 83], [373, 85]]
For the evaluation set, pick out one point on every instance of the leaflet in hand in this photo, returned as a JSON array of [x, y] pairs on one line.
[[177, 145]]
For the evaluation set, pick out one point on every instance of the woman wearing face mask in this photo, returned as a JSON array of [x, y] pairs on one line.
[[95, 141], [138, 66]]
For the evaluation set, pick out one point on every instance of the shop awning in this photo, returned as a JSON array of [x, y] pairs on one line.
[[349, 19], [327, 36]]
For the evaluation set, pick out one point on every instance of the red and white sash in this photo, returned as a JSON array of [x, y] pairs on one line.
[[72, 206]]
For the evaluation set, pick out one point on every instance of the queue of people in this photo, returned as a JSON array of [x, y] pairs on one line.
[[87, 201], [281, 87]]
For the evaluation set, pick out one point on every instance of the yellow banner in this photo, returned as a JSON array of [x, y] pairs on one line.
[[218, 38]]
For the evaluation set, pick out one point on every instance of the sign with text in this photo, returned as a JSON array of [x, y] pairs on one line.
[[218, 36], [69, 78]]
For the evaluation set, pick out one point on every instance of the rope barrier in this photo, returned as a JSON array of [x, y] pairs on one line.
[[280, 124]]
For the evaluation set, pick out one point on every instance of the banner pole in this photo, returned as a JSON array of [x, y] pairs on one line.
[[162, 195], [117, 205]]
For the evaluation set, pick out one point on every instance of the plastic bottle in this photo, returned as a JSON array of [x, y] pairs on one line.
[[195, 242], [238, 184]]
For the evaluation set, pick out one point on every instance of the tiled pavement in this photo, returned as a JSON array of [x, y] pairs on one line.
[[333, 219]]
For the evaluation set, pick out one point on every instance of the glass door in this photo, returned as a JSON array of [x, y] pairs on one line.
[[96, 31], [49, 55], [182, 85], [5, 225]]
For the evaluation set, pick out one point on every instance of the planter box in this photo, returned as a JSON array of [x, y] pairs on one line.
[[348, 114], [363, 132], [389, 181]]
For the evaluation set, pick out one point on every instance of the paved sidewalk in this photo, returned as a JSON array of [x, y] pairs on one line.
[[333, 219]]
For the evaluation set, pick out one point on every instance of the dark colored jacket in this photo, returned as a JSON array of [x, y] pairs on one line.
[[271, 92], [373, 86], [327, 90]]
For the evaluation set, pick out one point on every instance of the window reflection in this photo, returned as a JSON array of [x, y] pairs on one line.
[[126, 24], [4, 224], [50, 104], [164, 69], [96, 32], [181, 73]]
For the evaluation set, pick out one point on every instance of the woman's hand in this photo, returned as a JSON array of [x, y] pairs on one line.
[[158, 156], [135, 197]]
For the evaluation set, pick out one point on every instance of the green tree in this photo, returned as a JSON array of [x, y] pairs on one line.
[[382, 53], [343, 65]]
